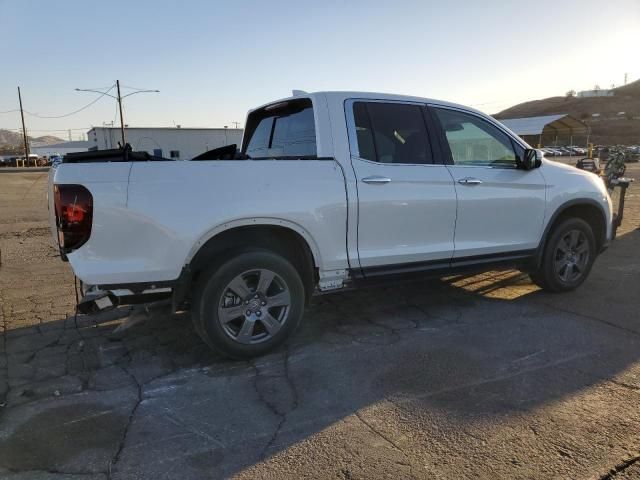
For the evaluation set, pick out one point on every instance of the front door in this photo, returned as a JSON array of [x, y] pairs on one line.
[[406, 201], [500, 206]]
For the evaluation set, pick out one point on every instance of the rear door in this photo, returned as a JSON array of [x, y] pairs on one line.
[[406, 201], [500, 206]]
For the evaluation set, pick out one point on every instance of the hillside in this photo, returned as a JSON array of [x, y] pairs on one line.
[[608, 128], [13, 139]]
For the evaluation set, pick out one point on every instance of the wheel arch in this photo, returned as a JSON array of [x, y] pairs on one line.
[[584, 208], [282, 236]]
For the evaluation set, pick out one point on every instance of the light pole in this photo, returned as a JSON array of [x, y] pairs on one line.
[[119, 98]]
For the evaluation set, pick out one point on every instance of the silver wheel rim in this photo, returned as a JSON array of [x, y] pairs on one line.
[[254, 306], [571, 256]]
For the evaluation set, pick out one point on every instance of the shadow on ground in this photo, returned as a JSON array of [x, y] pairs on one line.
[[423, 369]]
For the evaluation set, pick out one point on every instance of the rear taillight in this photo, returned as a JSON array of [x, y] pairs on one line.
[[74, 216]]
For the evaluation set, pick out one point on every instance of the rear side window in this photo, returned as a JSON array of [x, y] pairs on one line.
[[283, 130], [391, 133]]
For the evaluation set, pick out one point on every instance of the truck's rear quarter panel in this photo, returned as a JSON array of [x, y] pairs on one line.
[[171, 208], [107, 183]]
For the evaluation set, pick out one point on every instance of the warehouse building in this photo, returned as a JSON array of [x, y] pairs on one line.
[[170, 142], [558, 129]]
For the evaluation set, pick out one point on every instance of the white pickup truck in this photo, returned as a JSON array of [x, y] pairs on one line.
[[328, 191]]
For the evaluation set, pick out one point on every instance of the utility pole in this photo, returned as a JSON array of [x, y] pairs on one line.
[[121, 117], [24, 130], [119, 99], [625, 78], [236, 124]]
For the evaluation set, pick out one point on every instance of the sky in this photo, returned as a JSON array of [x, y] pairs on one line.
[[214, 60]]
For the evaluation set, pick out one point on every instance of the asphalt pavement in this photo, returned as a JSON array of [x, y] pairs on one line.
[[478, 376]]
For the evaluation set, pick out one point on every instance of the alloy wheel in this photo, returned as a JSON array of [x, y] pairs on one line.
[[254, 306], [571, 256]]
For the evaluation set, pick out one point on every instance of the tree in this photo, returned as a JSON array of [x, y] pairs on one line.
[[570, 93]]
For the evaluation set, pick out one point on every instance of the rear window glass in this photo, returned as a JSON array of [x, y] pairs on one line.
[[282, 130]]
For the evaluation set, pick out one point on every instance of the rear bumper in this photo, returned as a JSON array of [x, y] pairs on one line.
[[136, 293], [98, 299]]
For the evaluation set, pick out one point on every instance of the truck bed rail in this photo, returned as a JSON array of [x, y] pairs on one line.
[[113, 155]]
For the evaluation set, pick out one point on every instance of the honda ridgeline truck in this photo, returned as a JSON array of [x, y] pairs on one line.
[[328, 191]]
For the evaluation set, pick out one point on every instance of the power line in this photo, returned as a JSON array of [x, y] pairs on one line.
[[75, 111], [133, 88], [46, 129], [102, 88], [66, 114], [115, 115]]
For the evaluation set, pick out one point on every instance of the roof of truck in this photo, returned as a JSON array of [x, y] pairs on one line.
[[369, 95]]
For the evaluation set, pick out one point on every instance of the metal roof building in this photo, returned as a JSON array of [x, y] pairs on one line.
[[548, 129]]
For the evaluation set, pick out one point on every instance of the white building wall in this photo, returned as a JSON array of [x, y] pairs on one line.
[[189, 142]]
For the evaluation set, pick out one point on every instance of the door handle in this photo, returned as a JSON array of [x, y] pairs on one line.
[[376, 179], [470, 181]]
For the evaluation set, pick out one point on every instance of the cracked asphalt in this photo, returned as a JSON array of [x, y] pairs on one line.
[[479, 376]]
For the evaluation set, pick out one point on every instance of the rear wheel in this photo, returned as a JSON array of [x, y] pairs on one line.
[[568, 256], [249, 304]]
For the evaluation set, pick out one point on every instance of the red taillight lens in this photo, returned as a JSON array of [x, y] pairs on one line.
[[74, 215]]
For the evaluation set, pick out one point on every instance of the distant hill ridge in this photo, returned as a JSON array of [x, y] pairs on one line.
[[14, 139], [609, 127]]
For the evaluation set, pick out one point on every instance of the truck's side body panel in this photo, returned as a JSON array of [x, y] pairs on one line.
[[340, 150], [174, 207]]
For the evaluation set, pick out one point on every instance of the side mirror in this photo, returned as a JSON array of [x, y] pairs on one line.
[[532, 159]]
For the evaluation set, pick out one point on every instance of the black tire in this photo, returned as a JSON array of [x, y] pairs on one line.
[[560, 272], [270, 325]]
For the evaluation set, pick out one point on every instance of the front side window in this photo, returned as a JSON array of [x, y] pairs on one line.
[[282, 130], [391, 133], [474, 141]]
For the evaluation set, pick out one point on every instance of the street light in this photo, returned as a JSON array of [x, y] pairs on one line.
[[119, 99]]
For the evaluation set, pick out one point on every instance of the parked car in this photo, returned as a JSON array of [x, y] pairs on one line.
[[555, 151], [635, 149], [328, 191], [576, 150]]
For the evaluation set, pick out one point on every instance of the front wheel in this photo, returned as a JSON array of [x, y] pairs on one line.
[[249, 304], [568, 256]]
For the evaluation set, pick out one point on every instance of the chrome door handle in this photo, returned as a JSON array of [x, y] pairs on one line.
[[470, 181], [376, 179]]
